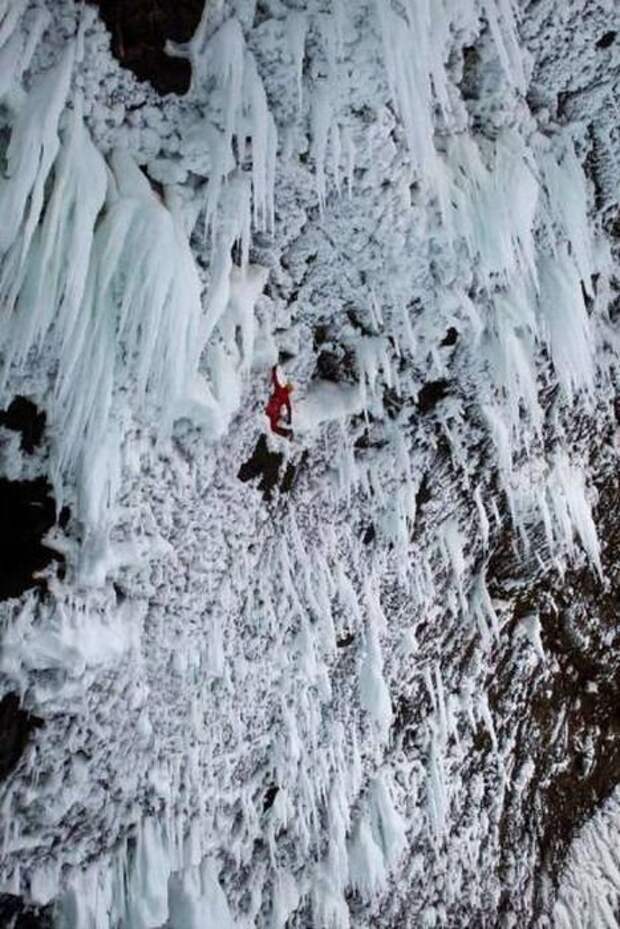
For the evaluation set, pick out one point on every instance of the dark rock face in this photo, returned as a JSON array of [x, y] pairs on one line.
[[336, 365], [270, 795], [470, 84], [432, 394], [450, 338], [606, 40], [14, 914], [569, 725], [266, 464], [27, 512], [289, 478], [16, 726], [23, 416], [140, 29], [27, 508], [392, 402], [369, 534]]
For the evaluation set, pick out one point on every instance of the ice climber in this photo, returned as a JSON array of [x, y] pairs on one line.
[[279, 407]]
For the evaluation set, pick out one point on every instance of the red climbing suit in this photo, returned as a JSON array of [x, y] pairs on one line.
[[279, 401]]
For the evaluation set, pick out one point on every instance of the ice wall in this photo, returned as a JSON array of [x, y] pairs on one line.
[[279, 713]]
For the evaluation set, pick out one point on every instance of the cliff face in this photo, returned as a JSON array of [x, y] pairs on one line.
[[367, 676]]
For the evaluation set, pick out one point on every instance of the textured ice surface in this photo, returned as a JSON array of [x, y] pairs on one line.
[[387, 697]]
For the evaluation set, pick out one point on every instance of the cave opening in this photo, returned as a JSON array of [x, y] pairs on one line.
[[140, 30]]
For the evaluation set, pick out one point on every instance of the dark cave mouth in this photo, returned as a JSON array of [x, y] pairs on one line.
[[27, 510], [140, 30], [23, 416], [16, 728], [15, 913]]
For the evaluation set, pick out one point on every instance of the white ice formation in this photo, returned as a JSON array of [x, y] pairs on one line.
[[289, 713]]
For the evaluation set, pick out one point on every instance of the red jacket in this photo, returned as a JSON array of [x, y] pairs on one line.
[[279, 399]]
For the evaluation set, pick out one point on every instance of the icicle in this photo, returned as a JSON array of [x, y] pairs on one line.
[[482, 517], [349, 147], [264, 145], [442, 718], [329, 905], [568, 202], [235, 209], [453, 546], [225, 59], [139, 255], [484, 612], [372, 599], [501, 438], [10, 14], [296, 29], [530, 626], [54, 287], [321, 121], [389, 826], [285, 899], [437, 798], [147, 893], [566, 488], [482, 705], [507, 194], [366, 861], [31, 153], [566, 324], [336, 147], [501, 21], [196, 899], [374, 692], [11, 55], [409, 75], [245, 287], [348, 597], [224, 56]]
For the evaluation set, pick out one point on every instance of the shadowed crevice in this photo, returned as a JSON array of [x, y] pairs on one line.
[[266, 465], [16, 914], [140, 30], [27, 513], [23, 416], [16, 727]]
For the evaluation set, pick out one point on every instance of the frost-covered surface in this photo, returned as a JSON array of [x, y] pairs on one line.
[[387, 697], [588, 894]]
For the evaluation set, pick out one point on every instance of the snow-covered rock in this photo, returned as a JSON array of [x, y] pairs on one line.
[[380, 687]]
